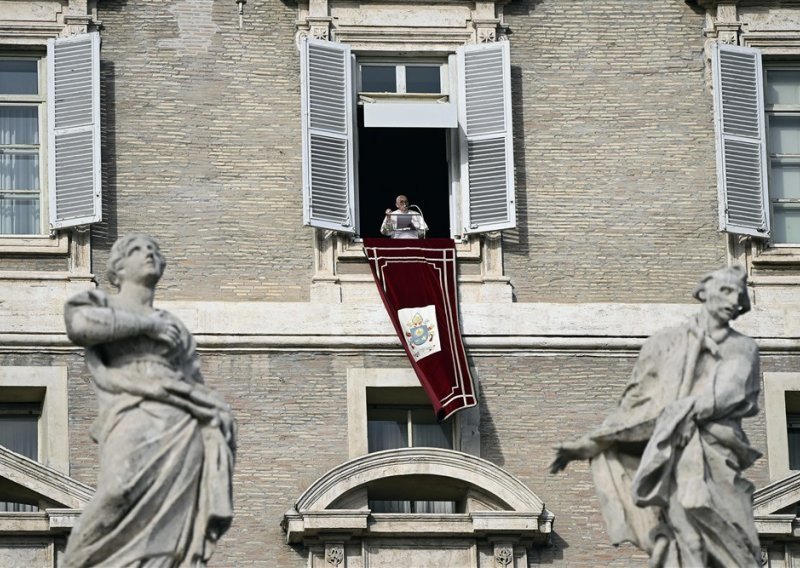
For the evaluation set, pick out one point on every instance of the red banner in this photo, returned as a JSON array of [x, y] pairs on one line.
[[417, 282]]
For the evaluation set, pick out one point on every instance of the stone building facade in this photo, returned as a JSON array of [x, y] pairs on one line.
[[615, 217]]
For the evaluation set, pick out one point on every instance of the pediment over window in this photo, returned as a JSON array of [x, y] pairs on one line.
[[59, 497], [490, 501], [382, 26], [775, 507]]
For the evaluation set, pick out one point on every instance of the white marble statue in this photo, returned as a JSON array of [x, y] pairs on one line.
[[667, 462], [166, 440]]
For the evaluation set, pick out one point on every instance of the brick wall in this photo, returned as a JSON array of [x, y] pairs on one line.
[[201, 147], [614, 144]]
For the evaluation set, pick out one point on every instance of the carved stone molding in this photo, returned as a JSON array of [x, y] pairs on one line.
[[334, 554], [503, 555], [391, 26]]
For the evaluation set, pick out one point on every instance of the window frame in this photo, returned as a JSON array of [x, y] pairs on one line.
[[400, 64], [770, 111], [489, 213], [409, 410], [40, 101], [466, 432], [49, 385], [776, 385]]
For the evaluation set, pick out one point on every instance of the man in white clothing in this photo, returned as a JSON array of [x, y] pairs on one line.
[[403, 223]]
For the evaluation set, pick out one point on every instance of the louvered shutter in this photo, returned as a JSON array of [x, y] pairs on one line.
[[487, 153], [741, 140], [73, 111], [327, 114]]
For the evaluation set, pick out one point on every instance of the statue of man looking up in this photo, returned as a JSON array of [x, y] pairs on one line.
[[667, 461]]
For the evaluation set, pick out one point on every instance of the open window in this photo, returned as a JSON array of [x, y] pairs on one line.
[[50, 137], [437, 130]]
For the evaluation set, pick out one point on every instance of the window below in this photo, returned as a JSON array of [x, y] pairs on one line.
[[390, 427], [22, 99], [394, 426], [388, 409], [782, 413], [19, 432], [792, 401]]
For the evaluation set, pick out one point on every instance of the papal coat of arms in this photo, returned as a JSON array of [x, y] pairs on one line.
[[421, 330]]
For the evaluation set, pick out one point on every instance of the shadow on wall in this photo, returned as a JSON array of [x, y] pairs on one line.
[[490, 441], [515, 241], [105, 233], [549, 554]]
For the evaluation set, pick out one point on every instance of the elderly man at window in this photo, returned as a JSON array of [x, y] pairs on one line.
[[403, 223]]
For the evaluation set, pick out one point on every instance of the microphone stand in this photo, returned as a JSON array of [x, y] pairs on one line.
[[423, 231]]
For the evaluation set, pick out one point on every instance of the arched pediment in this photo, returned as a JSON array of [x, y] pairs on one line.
[[464, 468], [507, 505]]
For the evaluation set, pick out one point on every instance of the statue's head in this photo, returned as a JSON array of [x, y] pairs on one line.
[[135, 256], [724, 293]]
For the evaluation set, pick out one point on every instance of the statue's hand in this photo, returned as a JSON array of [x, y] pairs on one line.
[[164, 330], [581, 449]]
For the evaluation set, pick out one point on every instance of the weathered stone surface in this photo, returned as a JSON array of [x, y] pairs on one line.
[[667, 461], [166, 440]]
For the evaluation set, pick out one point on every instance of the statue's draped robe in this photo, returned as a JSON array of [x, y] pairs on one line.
[[649, 484], [164, 485]]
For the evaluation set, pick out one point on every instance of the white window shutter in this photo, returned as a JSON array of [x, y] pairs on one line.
[[73, 113], [327, 114], [487, 151], [741, 140]]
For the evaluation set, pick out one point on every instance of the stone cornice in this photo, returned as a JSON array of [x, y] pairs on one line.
[[487, 328]]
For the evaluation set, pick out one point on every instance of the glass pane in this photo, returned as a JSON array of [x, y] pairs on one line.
[[785, 224], [382, 506], [433, 435], [378, 79], [784, 181], [19, 215], [793, 422], [435, 507], [423, 79], [19, 171], [19, 77], [19, 125], [386, 429], [20, 434]]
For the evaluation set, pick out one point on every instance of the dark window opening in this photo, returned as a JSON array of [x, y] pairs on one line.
[[19, 432], [793, 433], [408, 161]]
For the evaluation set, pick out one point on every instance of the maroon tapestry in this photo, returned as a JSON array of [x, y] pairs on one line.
[[417, 282]]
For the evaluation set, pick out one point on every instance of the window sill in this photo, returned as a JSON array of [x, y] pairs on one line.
[[34, 244], [352, 249]]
